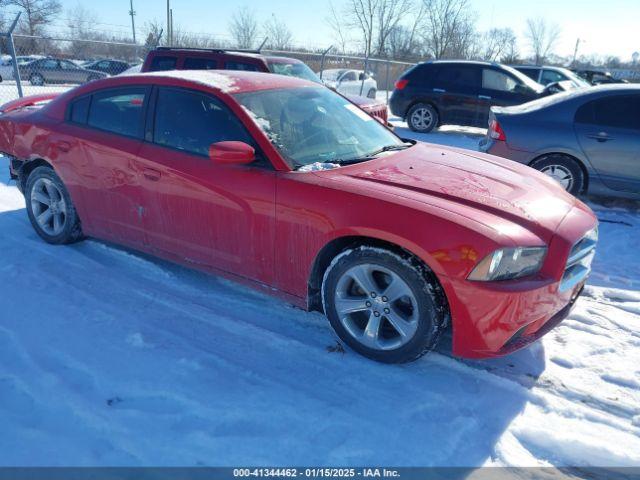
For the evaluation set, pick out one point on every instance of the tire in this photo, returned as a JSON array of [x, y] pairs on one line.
[[564, 169], [371, 93], [36, 80], [416, 305], [63, 225], [422, 118]]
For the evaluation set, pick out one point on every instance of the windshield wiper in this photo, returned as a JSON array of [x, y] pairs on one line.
[[368, 156]]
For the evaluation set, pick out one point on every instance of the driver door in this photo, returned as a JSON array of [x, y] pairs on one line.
[[203, 212], [500, 89]]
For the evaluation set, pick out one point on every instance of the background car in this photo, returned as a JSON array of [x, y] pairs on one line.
[[111, 67], [352, 82], [54, 70], [547, 75], [6, 64], [588, 140], [164, 58], [599, 77], [459, 92], [248, 174]]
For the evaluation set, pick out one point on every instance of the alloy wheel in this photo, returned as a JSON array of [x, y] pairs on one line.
[[48, 207], [560, 174], [376, 306], [421, 118]]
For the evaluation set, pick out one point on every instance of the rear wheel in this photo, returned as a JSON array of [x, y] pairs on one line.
[[36, 79], [564, 170], [50, 208], [382, 305], [422, 118]]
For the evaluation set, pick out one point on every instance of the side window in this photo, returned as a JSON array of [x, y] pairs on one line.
[[79, 110], [104, 64], [620, 111], [48, 64], [192, 121], [119, 111], [495, 80], [240, 66], [66, 65], [532, 73], [160, 64], [349, 77], [459, 76], [550, 76], [199, 64]]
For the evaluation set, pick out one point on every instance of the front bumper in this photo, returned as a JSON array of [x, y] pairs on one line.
[[492, 319]]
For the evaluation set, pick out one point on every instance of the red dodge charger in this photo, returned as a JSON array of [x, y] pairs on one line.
[[280, 183]]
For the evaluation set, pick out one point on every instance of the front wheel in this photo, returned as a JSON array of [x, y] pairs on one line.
[[36, 80], [564, 170], [422, 118], [50, 208], [382, 305]]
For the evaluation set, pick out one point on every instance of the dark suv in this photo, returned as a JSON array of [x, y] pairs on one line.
[[166, 58], [459, 93]]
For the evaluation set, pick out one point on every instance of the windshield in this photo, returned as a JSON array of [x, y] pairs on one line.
[[293, 69], [533, 85], [315, 125]]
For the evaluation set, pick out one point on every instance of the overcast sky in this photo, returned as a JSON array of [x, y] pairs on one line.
[[606, 27]]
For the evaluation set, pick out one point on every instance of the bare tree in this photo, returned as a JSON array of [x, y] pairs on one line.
[[278, 34], [498, 43], [244, 27], [81, 22], [154, 31], [362, 15], [339, 28], [37, 13], [542, 37], [389, 15], [449, 28]]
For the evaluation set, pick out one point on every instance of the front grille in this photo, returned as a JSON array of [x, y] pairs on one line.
[[579, 262], [378, 111]]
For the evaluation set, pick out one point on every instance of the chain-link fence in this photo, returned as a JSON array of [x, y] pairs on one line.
[[48, 65]]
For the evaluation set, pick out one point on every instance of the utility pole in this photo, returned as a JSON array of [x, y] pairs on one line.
[[132, 12], [168, 23], [575, 52]]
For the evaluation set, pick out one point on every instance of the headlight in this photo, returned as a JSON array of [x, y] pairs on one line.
[[509, 263]]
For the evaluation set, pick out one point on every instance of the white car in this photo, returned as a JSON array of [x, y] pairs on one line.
[[6, 65], [350, 82]]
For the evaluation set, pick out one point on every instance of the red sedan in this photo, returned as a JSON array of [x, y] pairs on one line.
[[282, 184]]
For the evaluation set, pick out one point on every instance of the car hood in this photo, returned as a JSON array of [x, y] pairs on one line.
[[473, 180]]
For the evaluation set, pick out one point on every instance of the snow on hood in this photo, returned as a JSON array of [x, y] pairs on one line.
[[204, 77], [318, 166]]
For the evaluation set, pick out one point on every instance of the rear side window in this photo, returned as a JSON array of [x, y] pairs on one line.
[[457, 75], [192, 121], [80, 110], [118, 111], [195, 63], [240, 66], [620, 111], [495, 80], [532, 73], [551, 76], [160, 64]]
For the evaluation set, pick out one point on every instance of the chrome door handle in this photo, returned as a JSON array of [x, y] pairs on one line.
[[484, 97], [439, 90]]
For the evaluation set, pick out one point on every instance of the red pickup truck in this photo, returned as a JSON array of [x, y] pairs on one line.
[[166, 58]]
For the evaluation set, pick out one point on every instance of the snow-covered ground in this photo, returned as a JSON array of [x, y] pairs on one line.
[[108, 357]]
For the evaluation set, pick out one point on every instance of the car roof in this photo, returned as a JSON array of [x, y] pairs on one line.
[[463, 62]]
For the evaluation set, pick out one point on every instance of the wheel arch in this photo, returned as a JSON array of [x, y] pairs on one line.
[[339, 245], [28, 167], [576, 159]]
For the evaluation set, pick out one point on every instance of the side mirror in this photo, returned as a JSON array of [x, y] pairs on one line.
[[232, 153]]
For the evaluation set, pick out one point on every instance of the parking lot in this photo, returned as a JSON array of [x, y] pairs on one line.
[[108, 357]]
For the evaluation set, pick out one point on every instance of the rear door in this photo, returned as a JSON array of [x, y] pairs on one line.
[[104, 134], [608, 130], [500, 88], [71, 73], [457, 88]]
